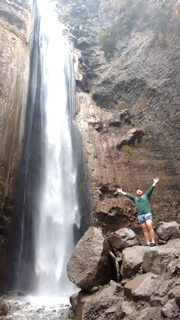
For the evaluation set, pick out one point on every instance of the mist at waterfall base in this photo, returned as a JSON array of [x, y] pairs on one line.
[[47, 213]]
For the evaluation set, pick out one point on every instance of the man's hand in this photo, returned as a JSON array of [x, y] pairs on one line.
[[119, 190], [155, 181]]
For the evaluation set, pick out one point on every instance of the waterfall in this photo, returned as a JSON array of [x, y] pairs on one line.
[[58, 205], [48, 207]]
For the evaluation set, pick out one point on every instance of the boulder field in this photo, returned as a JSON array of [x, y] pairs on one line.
[[120, 279]]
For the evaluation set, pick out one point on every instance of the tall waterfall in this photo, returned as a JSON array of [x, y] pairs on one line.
[[48, 209], [58, 205]]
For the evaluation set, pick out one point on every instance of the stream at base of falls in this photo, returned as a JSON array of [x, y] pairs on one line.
[[33, 308]]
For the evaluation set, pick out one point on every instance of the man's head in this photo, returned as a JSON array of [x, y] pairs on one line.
[[139, 193]]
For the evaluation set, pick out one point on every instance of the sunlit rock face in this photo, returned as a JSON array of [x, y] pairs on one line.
[[15, 29], [117, 154], [139, 72]]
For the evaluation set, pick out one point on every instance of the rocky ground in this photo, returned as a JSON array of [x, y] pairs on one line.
[[18, 307], [146, 281]]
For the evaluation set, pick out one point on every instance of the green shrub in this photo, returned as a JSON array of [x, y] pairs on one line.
[[140, 144], [12, 28], [127, 149], [108, 43]]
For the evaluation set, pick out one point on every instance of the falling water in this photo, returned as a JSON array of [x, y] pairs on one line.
[[58, 200], [49, 204]]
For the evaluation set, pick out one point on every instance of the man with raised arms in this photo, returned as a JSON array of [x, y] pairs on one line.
[[143, 211]]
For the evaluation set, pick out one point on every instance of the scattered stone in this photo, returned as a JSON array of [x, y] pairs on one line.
[[157, 259], [164, 300], [168, 230], [161, 242], [155, 301], [177, 296], [170, 308], [132, 261], [123, 238], [3, 307], [165, 287], [141, 287], [173, 269], [98, 304], [74, 300], [124, 308]]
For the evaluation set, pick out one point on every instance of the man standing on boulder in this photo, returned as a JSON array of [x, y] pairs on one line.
[[143, 211]]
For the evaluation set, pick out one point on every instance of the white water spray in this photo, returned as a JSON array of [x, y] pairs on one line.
[[58, 204]]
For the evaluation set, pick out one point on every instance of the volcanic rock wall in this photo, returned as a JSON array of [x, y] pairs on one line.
[[128, 103], [15, 29], [128, 54]]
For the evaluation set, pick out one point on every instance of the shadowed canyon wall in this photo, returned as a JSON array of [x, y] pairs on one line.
[[15, 29]]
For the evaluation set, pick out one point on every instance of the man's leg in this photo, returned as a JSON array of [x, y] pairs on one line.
[[145, 230], [150, 229]]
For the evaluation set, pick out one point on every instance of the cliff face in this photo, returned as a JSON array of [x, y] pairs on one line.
[[128, 103], [15, 29], [128, 59]]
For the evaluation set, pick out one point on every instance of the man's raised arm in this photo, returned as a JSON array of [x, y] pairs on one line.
[[156, 180], [118, 190]]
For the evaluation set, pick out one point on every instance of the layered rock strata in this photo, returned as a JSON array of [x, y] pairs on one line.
[[139, 73], [116, 153]]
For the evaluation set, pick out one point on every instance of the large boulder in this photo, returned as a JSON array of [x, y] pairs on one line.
[[158, 258], [132, 261], [98, 305], [123, 238], [141, 287], [90, 264], [168, 230]]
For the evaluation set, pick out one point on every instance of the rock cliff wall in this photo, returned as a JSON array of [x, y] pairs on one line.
[[128, 60], [128, 103], [15, 30]]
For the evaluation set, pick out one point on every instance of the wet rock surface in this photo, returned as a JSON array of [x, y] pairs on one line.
[[15, 31], [32, 308]]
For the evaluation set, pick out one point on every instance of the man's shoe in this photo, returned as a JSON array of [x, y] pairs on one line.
[[147, 245], [152, 244]]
